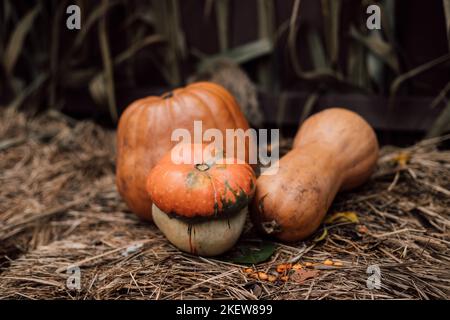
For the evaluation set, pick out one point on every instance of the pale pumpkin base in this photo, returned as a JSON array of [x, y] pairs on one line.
[[207, 238]]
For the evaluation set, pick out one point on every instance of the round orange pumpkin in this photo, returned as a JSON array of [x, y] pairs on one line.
[[201, 206], [145, 129]]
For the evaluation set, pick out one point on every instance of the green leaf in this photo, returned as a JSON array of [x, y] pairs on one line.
[[253, 253]]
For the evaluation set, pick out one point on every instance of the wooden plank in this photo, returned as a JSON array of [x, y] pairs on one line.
[[407, 114]]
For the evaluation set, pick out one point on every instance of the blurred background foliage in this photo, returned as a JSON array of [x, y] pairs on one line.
[[128, 48]]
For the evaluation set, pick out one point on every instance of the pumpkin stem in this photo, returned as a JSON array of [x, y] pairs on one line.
[[202, 166], [167, 95]]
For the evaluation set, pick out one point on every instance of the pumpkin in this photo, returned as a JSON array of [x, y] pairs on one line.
[[145, 129], [333, 150], [201, 206]]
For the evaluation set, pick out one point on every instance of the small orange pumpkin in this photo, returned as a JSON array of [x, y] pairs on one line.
[[201, 206]]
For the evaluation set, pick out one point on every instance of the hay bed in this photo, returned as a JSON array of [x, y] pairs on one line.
[[59, 207]]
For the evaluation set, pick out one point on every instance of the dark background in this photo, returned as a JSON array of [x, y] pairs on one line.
[[300, 63]]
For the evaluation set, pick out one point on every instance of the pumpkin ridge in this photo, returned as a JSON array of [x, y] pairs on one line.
[[182, 104], [169, 108], [205, 106], [134, 121], [222, 92]]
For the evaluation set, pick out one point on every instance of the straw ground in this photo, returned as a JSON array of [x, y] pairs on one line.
[[59, 207]]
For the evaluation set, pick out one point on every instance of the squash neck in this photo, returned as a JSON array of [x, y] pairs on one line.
[[326, 157]]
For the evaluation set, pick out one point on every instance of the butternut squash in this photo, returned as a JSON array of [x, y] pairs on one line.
[[334, 150]]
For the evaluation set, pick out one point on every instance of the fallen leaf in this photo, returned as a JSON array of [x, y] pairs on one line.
[[272, 278], [322, 236], [328, 262], [262, 275], [402, 158], [302, 275], [281, 268], [297, 266], [346, 216]]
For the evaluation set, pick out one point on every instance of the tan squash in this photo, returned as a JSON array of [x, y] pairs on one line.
[[333, 150]]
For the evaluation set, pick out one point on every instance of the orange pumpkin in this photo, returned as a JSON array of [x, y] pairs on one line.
[[145, 129], [201, 206], [333, 150]]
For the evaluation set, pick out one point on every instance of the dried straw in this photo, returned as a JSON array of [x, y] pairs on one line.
[[59, 208]]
